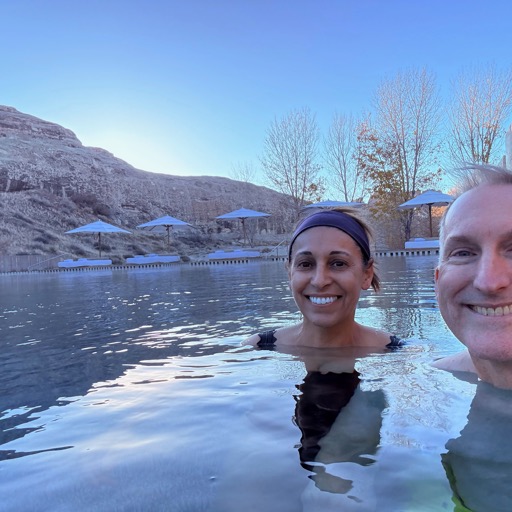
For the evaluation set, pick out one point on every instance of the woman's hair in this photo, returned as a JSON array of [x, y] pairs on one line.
[[356, 227]]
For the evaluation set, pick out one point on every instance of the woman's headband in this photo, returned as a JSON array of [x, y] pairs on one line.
[[339, 220]]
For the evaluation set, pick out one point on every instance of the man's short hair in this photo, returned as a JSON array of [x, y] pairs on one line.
[[472, 176]]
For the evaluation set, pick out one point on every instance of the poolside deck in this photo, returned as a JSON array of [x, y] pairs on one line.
[[408, 252]]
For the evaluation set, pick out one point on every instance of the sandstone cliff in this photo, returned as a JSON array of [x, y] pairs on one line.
[[50, 183]]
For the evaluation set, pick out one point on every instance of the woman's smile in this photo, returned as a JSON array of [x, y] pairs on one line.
[[322, 300]]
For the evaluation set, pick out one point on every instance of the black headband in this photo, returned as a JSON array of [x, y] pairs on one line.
[[339, 220]]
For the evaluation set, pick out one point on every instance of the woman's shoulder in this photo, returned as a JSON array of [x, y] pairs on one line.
[[376, 337], [395, 342], [265, 339], [269, 339]]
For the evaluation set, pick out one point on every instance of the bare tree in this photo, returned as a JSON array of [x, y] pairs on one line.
[[481, 105], [408, 115], [243, 171], [341, 155], [290, 153]]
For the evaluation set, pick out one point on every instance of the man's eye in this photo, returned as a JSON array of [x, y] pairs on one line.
[[461, 253]]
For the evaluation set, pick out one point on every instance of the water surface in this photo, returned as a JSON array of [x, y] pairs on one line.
[[129, 390]]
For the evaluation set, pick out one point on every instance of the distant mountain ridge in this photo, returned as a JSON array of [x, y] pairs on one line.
[[50, 183]]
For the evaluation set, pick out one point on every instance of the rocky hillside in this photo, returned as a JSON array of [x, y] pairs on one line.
[[50, 183]]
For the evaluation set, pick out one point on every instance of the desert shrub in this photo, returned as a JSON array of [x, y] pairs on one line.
[[37, 248], [104, 247], [21, 217], [40, 200], [77, 250], [67, 207], [41, 239], [85, 199], [45, 237], [101, 209], [196, 238], [137, 249]]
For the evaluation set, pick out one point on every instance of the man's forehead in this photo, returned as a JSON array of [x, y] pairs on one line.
[[482, 199]]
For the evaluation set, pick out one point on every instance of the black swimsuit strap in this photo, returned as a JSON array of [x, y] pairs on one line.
[[395, 342], [267, 339]]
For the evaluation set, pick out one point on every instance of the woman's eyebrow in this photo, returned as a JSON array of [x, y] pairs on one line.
[[332, 253]]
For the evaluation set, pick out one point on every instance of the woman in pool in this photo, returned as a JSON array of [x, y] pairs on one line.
[[329, 263]]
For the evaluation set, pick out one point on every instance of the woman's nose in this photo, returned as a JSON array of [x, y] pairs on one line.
[[321, 277]]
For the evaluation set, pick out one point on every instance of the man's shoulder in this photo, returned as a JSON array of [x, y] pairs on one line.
[[460, 362]]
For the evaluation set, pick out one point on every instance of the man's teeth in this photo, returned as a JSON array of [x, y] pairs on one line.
[[322, 300], [500, 311]]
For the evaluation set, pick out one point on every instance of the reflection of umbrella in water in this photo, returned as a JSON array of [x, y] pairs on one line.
[[429, 198], [167, 222], [335, 204], [98, 227], [242, 214]]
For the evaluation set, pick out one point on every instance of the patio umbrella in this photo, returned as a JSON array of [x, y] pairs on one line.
[[334, 204], [167, 222], [242, 214], [429, 198], [98, 227]]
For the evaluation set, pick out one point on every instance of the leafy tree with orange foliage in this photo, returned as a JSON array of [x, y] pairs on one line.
[[399, 151]]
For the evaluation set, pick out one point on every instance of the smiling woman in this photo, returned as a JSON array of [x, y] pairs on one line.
[[329, 264]]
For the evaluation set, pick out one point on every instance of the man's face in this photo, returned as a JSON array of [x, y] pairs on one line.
[[474, 276]]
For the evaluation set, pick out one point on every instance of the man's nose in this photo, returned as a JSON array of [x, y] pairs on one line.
[[494, 273]]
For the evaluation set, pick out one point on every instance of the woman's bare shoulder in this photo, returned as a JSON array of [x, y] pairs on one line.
[[376, 338], [252, 340], [281, 336]]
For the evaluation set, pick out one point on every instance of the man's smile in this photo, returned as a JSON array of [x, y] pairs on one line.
[[498, 311]]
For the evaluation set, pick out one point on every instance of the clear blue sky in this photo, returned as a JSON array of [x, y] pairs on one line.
[[189, 87]]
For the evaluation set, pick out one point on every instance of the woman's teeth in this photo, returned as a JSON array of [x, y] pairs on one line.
[[322, 300]]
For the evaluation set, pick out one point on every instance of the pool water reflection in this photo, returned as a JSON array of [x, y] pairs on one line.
[[129, 390]]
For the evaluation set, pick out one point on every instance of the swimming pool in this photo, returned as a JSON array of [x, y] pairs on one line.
[[129, 391]]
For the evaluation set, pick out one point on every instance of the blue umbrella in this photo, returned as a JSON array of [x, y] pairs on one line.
[[429, 198], [167, 222], [242, 214], [98, 227]]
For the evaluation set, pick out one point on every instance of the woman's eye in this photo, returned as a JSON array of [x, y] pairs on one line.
[[339, 264], [304, 264]]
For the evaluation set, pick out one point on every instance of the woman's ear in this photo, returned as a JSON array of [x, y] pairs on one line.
[[367, 275]]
